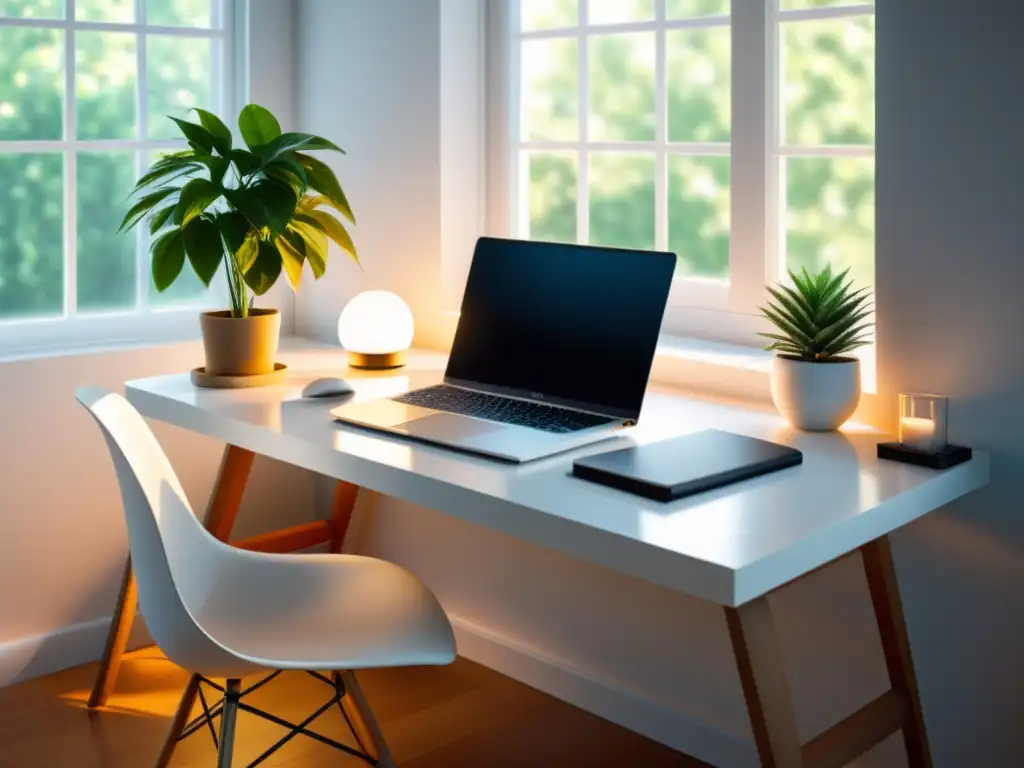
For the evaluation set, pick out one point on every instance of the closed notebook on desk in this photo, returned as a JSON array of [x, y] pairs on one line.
[[686, 465]]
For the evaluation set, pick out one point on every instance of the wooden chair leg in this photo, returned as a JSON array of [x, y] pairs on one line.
[[220, 518], [763, 677], [227, 724], [885, 597], [359, 714], [117, 639], [341, 512], [181, 716]]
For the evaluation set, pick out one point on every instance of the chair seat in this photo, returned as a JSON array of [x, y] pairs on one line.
[[342, 612]]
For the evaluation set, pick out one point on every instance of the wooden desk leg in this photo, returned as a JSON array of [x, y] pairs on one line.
[[117, 639], [765, 689], [226, 498], [341, 513], [220, 517], [885, 596]]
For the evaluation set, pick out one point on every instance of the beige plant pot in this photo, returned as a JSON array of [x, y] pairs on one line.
[[240, 346]]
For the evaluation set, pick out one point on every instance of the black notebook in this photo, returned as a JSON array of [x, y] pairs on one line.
[[686, 465]]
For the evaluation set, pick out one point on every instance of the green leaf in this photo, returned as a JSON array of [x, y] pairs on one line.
[[218, 131], [258, 126], [797, 336], [196, 135], [802, 282], [160, 170], [278, 200], [793, 309], [141, 208], [265, 269], [827, 335], [246, 162], [289, 142], [285, 176], [321, 178], [290, 162], [316, 246], [160, 218], [246, 255], [267, 204], [218, 166], [203, 247], [195, 197], [293, 255], [332, 228], [319, 142], [851, 340], [168, 259], [233, 227]]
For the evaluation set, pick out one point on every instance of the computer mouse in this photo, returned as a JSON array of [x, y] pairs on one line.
[[322, 388]]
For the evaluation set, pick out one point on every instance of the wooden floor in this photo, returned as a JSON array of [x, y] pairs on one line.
[[462, 716]]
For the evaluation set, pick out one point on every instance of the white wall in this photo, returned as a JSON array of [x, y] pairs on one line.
[[369, 82], [950, 273], [62, 536], [950, 245]]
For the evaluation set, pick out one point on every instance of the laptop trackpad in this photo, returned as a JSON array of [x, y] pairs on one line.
[[447, 426]]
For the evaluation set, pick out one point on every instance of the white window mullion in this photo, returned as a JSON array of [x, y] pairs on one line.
[[70, 251], [142, 95], [661, 129], [583, 171], [753, 140]]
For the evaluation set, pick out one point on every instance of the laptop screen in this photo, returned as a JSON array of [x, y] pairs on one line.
[[567, 324]]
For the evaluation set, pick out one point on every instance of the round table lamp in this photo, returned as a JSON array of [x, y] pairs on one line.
[[376, 328]]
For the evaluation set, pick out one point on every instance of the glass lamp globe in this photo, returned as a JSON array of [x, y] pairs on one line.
[[376, 328]]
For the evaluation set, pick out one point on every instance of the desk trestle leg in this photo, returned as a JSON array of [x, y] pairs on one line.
[[758, 657]]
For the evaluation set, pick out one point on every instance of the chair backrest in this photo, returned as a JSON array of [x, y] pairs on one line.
[[174, 558]]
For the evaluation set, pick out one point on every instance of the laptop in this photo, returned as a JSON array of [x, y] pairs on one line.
[[552, 351]]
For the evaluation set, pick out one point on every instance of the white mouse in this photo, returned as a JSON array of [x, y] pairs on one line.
[[323, 388]]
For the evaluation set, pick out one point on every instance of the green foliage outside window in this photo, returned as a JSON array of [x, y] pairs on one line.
[[827, 96], [32, 206]]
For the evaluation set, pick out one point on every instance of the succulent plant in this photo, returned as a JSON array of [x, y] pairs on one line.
[[820, 318]]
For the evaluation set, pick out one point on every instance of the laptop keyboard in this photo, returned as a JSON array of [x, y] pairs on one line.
[[502, 409]]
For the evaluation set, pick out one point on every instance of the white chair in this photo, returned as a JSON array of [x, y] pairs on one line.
[[222, 612]]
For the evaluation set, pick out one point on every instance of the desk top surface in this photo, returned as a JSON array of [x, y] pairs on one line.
[[728, 545]]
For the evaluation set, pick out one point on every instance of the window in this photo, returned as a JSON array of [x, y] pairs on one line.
[[737, 134], [85, 87]]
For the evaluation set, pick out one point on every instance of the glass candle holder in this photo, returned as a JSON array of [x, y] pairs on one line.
[[923, 422]]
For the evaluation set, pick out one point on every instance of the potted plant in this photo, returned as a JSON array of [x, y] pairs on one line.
[[820, 320], [258, 210]]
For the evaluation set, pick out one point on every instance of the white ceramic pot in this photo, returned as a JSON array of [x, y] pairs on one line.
[[817, 397]]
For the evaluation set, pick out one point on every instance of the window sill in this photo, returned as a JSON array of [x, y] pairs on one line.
[[59, 337], [713, 368]]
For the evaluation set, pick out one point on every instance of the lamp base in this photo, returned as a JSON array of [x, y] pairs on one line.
[[948, 457], [376, 361]]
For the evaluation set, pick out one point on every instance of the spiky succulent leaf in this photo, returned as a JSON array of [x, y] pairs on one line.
[[820, 317]]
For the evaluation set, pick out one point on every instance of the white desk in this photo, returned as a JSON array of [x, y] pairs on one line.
[[732, 546]]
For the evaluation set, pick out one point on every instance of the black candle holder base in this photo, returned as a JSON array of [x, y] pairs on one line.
[[948, 457]]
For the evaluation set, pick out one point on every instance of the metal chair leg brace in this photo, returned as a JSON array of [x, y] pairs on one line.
[[231, 702]]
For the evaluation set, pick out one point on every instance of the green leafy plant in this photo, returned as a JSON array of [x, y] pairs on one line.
[[259, 211], [819, 319]]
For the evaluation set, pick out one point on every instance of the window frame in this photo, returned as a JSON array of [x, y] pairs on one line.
[[724, 311], [145, 322]]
